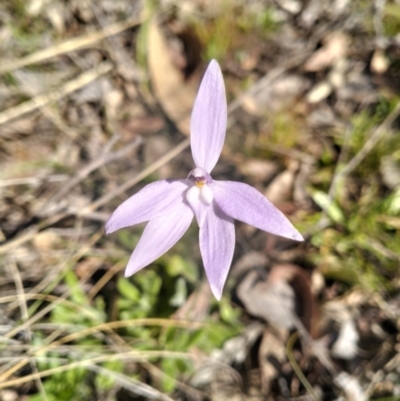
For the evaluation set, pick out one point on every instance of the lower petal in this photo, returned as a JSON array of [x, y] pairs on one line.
[[160, 235], [217, 243]]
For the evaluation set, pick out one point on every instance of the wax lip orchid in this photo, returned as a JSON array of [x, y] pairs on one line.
[[169, 205]]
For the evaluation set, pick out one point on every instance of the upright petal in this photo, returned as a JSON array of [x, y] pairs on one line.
[[160, 234], [217, 243], [245, 203], [154, 200], [208, 121]]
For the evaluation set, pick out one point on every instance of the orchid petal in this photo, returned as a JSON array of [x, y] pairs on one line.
[[217, 243], [154, 200], [209, 118], [245, 203], [200, 208], [159, 236]]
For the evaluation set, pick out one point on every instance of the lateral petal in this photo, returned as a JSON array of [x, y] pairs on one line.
[[154, 200], [160, 235], [245, 203], [209, 118], [217, 243]]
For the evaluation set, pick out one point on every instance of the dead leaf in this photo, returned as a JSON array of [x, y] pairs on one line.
[[281, 187], [23, 126], [9, 395], [5, 36], [261, 170], [34, 82], [197, 305], [113, 101], [174, 91], [334, 48], [358, 88], [139, 126], [278, 95], [390, 170], [337, 75], [338, 317], [94, 92], [281, 298], [291, 6], [319, 92], [250, 60], [321, 117], [300, 282], [345, 347], [350, 386], [87, 267], [59, 14], [82, 10], [379, 62], [234, 351], [271, 356], [247, 262], [46, 241]]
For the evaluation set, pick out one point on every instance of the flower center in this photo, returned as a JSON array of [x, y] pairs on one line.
[[200, 191], [199, 181]]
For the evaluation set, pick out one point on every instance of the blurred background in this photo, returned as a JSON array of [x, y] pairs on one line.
[[95, 101]]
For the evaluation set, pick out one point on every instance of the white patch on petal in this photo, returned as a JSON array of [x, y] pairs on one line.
[[197, 202], [206, 194], [193, 195]]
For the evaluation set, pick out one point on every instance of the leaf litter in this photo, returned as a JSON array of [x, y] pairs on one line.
[[86, 121]]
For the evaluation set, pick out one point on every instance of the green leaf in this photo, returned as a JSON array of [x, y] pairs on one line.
[[228, 313], [178, 266], [171, 370], [128, 290], [328, 205], [180, 295], [393, 206], [77, 294]]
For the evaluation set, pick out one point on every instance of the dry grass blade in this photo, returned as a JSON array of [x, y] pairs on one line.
[[104, 158], [372, 141], [70, 45], [296, 367], [130, 384], [147, 171], [24, 313], [50, 112], [136, 356], [105, 279], [33, 180], [368, 146], [93, 330], [41, 100], [39, 315], [32, 231], [126, 323]]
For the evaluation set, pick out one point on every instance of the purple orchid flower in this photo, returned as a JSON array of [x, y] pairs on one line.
[[169, 205]]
